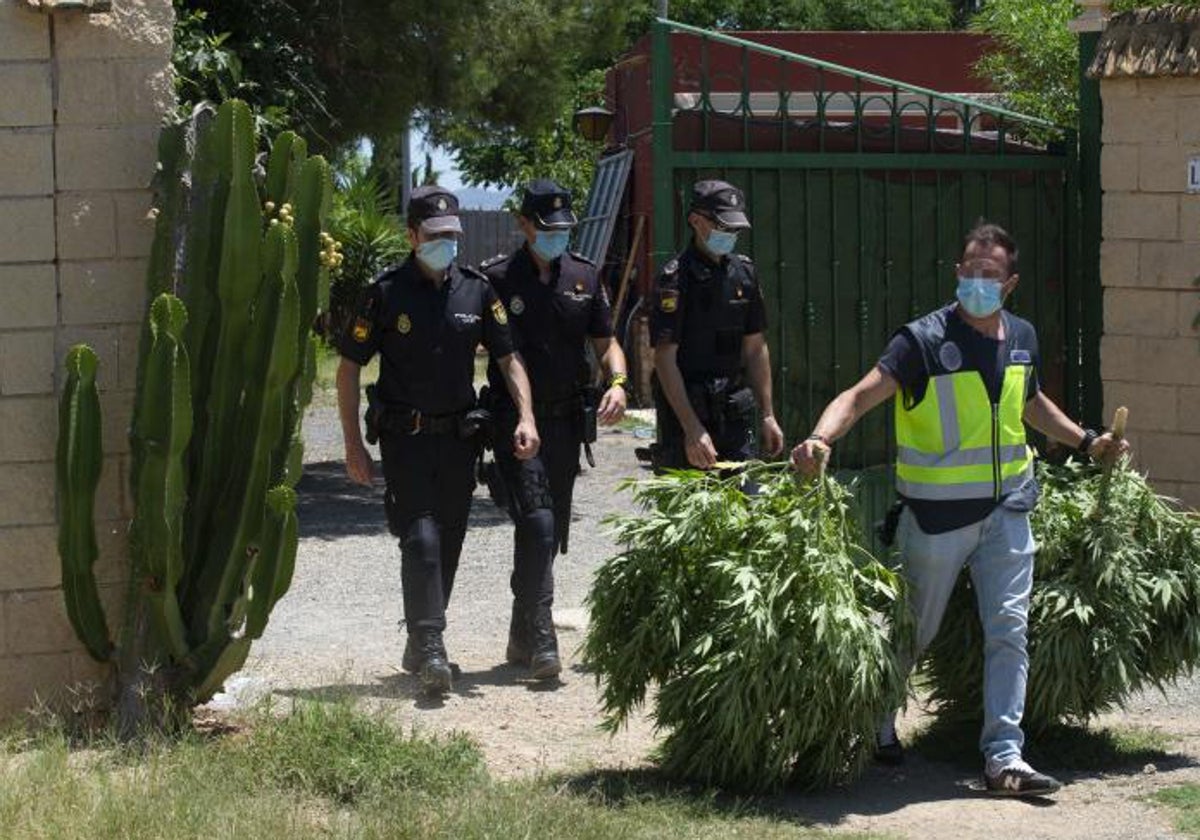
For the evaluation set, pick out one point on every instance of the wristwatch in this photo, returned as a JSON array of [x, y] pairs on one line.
[[821, 438], [1089, 436]]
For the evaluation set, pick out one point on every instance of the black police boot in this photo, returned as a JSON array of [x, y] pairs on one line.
[[425, 655], [543, 662], [520, 637]]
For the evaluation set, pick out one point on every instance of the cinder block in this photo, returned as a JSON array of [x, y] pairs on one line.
[[1189, 495], [87, 93], [1188, 313], [1141, 216], [1189, 411], [87, 226], [1170, 457], [1179, 87], [38, 623], [23, 36], [1119, 262], [1140, 312], [28, 427], [135, 228], [1119, 167], [106, 158], [134, 29], [29, 557], [27, 494], [1140, 119], [1189, 217], [117, 410], [1118, 358], [27, 680], [26, 363], [1119, 88], [28, 156], [26, 230], [109, 292], [1155, 405], [1169, 361], [28, 98], [1164, 167], [103, 340], [1189, 112], [1173, 265], [147, 91], [28, 296]]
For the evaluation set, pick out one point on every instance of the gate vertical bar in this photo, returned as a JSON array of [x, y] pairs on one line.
[[1091, 290], [661, 83]]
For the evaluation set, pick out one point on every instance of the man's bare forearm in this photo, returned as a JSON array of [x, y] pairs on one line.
[[348, 382], [517, 381]]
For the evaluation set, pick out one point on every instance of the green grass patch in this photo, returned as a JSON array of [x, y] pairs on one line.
[[1073, 748], [1185, 800], [328, 770]]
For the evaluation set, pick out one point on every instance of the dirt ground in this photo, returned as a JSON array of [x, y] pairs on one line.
[[336, 633]]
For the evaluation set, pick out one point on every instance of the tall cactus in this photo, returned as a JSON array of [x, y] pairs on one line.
[[225, 373]]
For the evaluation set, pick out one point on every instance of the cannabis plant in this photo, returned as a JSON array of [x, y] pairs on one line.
[[764, 631]]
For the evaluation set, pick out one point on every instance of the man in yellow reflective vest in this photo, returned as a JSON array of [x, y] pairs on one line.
[[966, 375]]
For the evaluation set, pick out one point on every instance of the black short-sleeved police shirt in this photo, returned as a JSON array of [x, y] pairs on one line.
[[904, 362], [550, 321], [426, 335], [707, 308]]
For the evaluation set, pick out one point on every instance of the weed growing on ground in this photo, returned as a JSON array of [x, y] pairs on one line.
[[1185, 799]]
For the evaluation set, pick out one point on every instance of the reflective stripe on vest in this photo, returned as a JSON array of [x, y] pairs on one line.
[[955, 444]]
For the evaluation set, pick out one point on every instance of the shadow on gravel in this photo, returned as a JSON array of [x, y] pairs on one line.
[[331, 506], [405, 686]]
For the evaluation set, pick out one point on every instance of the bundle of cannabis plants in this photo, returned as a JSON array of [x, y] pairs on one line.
[[1115, 606], [763, 628]]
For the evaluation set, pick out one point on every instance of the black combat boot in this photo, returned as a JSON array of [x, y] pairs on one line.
[[425, 656], [520, 637], [544, 663]]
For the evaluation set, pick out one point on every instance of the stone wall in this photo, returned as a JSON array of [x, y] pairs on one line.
[[81, 98], [1150, 262]]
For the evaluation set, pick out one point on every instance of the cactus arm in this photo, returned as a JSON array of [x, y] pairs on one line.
[[78, 465], [228, 662], [276, 560], [315, 183], [164, 412], [279, 167]]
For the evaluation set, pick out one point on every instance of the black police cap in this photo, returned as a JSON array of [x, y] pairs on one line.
[[547, 204], [433, 210], [721, 201]]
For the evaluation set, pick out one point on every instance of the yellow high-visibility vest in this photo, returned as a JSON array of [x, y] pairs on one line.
[[955, 444]]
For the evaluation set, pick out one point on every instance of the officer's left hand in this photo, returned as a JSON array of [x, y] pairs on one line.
[[525, 440], [1106, 448], [772, 436], [612, 406]]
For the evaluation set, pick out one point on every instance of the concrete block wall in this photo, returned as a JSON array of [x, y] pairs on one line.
[[1150, 263], [81, 99]]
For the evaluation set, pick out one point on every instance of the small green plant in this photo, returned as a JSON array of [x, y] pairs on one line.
[[224, 374], [1185, 800], [1115, 606], [759, 620]]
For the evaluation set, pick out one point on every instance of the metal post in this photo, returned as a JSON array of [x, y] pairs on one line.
[[405, 165], [1089, 25], [663, 8], [661, 83]]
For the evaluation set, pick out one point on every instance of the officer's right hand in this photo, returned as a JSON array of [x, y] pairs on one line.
[[525, 440], [700, 450], [809, 457], [359, 465]]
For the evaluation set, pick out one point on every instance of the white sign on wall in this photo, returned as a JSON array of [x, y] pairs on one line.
[[1193, 184]]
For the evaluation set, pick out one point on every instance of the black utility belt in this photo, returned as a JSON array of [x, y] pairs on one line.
[[412, 421]]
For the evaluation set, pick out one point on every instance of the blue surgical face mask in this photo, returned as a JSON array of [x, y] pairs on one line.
[[980, 296], [550, 244], [437, 254], [721, 242]]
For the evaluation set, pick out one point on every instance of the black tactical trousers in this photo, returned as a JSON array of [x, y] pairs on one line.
[[430, 479], [540, 492], [731, 433]]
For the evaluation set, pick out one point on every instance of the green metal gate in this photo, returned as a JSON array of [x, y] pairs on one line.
[[860, 190]]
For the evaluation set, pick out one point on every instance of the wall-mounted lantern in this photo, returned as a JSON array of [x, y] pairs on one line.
[[593, 123]]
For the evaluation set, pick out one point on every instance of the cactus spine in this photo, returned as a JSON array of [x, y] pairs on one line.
[[225, 372]]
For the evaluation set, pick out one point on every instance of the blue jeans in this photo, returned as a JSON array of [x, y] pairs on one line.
[[999, 553]]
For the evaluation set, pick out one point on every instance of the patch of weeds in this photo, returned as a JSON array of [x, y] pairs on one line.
[[1185, 800], [1062, 747], [332, 750]]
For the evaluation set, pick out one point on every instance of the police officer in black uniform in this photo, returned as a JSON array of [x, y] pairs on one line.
[[425, 318], [556, 303], [711, 361]]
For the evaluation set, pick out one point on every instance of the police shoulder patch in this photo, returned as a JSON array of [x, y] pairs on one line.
[[362, 330], [499, 313], [668, 299]]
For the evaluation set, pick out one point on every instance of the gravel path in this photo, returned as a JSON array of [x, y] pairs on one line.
[[336, 633]]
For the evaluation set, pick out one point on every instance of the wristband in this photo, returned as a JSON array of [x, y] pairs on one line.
[[1089, 437], [618, 380], [821, 438]]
